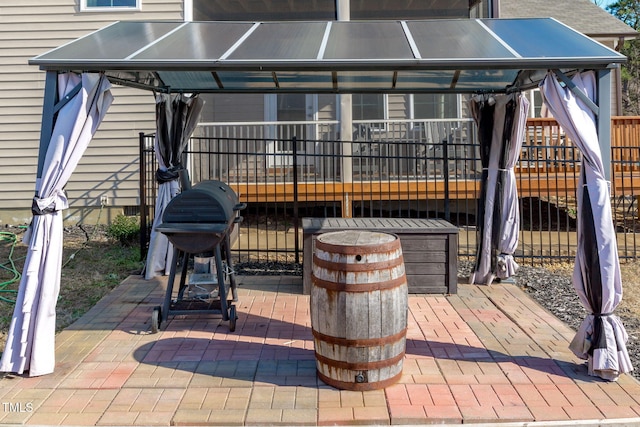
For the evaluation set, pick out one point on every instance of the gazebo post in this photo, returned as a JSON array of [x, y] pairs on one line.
[[603, 120], [48, 117]]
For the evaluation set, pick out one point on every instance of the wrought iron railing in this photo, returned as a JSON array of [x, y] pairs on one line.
[[414, 169]]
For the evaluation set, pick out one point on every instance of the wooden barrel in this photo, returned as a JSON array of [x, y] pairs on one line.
[[359, 299]]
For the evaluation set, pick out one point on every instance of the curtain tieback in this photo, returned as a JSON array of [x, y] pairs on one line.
[[49, 205], [602, 314], [167, 175]]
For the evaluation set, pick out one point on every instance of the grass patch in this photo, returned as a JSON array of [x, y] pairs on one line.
[[93, 264], [94, 271]]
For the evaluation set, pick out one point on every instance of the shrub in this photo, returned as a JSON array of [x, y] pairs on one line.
[[125, 229]]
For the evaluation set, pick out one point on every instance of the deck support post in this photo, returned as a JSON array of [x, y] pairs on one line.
[[343, 13]]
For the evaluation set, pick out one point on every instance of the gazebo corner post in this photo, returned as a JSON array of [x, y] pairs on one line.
[[48, 117], [603, 121]]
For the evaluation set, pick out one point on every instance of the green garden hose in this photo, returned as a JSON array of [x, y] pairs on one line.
[[9, 266]]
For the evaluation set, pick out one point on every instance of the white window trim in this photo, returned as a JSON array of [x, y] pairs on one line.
[[85, 8]]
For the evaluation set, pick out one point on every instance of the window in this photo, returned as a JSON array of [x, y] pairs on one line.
[[265, 10], [283, 10], [408, 9], [292, 107], [369, 107], [537, 108], [435, 106], [109, 5]]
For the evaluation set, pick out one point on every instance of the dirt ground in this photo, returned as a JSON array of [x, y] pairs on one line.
[[92, 266]]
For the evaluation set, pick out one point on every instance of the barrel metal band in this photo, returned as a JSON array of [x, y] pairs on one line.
[[360, 366], [359, 386], [358, 249], [365, 266], [362, 342], [358, 287]]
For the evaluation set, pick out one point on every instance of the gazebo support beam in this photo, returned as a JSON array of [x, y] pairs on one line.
[[584, 98]]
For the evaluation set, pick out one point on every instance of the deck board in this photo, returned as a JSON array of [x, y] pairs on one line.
[[529, 185]]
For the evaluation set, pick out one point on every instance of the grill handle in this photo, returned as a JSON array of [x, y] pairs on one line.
[[237, 220], [240, 206]]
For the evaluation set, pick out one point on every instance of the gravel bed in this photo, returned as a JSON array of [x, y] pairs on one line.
[[553, 291]]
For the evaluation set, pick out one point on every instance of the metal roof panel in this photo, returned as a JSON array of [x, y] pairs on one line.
[[463, 55], [194, 42]]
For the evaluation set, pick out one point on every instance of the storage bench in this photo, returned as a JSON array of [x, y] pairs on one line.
[[429, 248]]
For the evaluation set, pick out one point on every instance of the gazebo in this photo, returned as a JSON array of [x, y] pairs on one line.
[[473, 56]]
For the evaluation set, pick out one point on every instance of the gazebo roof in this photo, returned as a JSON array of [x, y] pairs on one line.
[[445, 55]]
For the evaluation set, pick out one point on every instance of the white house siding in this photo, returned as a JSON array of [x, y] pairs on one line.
[[110, 165], [327, 106], [397, 107]]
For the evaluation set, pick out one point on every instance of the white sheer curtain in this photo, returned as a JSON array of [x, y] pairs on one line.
[[31, 341]]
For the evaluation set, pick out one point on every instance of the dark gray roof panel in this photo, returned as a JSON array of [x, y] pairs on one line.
[[290, 41], [359, 40], [115, 42], [456, 39], [193, 42], [462, 55]]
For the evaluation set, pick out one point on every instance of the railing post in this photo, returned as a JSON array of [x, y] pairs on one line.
[[445, 170], [296, 222], [143, 197]]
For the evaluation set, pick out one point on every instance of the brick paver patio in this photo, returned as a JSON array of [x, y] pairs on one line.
[[483, 355]]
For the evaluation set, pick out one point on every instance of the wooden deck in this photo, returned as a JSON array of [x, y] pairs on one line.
[[529, 185]]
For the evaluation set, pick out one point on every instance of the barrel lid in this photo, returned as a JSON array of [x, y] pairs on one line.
[[357, 238]]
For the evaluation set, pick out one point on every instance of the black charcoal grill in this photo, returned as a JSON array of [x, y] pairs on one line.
[[199, 221]]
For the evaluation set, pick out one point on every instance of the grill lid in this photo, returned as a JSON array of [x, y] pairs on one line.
[[207, 202], [199, 218]]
